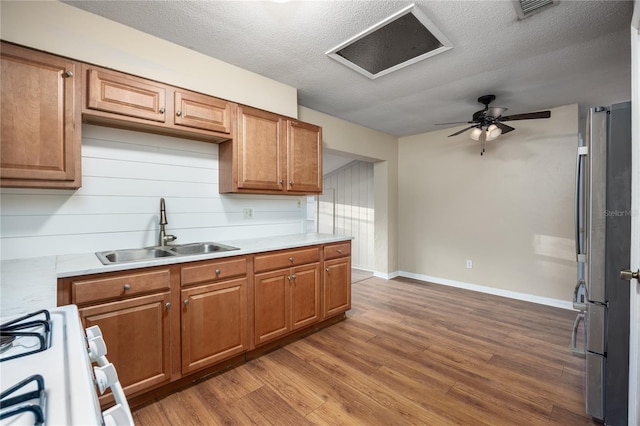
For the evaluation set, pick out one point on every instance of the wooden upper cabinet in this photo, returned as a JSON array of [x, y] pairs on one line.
[[260, 143], [122, 100], [40, 136], [304, 157], [127, 95], [202, 112], [271, 154]]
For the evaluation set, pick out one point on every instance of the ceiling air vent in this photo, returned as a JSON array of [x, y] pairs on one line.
[[402, 39], [526, 8]]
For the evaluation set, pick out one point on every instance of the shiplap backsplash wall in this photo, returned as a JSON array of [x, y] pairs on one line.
[[125, 174], [352, 186]]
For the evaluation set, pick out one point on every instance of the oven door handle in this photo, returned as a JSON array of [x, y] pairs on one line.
[[119, 414]]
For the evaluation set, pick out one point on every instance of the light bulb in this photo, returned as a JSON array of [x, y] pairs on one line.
[[493, 132], [475, 134]]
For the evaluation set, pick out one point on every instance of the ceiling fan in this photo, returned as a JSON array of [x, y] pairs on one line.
[[487, 124]]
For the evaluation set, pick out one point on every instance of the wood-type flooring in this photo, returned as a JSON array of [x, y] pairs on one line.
[[409, 353]]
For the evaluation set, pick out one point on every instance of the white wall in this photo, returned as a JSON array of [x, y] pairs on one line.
[[354, 210], [58, 28], [382, 150], [124, 175], [511, 211]]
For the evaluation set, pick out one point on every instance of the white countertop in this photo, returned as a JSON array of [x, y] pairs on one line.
[[30, 284]]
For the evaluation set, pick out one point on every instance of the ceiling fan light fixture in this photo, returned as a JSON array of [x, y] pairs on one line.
[[493, 132], [475, 134]]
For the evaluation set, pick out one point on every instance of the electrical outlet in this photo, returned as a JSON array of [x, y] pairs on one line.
[[248, 213], [469, 264]]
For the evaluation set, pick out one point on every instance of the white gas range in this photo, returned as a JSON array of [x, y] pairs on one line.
[[46, 374]]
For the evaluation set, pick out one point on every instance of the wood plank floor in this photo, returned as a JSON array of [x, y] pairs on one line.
[[409, 353]]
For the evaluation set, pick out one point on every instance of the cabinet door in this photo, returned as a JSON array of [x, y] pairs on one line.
[[272, 305], [304, 157], [260, 147], [125, 95], [136, 332], [214, 323], [337, 286], [305, 295], [202, 112], [40, 136]]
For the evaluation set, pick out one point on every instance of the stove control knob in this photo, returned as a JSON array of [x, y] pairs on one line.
[[93, 331], [105, 376], [97, 348]]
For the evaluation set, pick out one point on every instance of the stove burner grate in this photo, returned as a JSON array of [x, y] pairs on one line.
[[34, 326], [22, 403]]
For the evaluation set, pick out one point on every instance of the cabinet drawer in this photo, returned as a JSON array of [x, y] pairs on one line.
[[337, 250], [118, 286], [214, 270], [284, 259], [125, 95], [202, 112]]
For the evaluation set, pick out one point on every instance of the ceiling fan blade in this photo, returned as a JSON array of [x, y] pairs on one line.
[[527, 116], [454, 122], [462, 131], [504, 128]]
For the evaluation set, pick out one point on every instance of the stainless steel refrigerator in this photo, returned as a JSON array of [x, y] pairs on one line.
[[603, 239]]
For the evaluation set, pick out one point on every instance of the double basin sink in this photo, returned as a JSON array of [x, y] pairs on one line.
[[113, 257]]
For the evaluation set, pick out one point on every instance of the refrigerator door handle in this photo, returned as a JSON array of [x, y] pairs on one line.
[[574, 337], [580, 296], [579, 203]]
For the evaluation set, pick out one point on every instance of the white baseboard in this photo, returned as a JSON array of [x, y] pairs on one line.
[[385, 275], [484, 289]]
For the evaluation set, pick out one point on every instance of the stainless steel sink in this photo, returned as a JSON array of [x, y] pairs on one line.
[[200, 248], [150, 253], [132, 255]]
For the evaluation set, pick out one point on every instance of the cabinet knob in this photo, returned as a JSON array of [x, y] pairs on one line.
[[293, 277], [289, 277], [167, 305], [291, 182], [68, 73], [291, 259], [281, 181], [339, 251], [326, 269], [179, 113], [126, 287], [218, 271], [161, 110], [186, 302]]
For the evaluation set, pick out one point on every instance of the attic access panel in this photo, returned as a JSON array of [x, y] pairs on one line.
[[402, 39]]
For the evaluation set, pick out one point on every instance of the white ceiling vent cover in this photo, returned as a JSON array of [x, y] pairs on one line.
[[526, 8], [402, 39]]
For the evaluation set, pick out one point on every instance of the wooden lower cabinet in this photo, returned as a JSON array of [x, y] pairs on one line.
[[214, 323], [286, 300], [222, 309], [137, 335], [337, 286], [305, 296]]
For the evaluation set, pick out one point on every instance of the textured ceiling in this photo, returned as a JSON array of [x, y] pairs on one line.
[[574, 52]]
